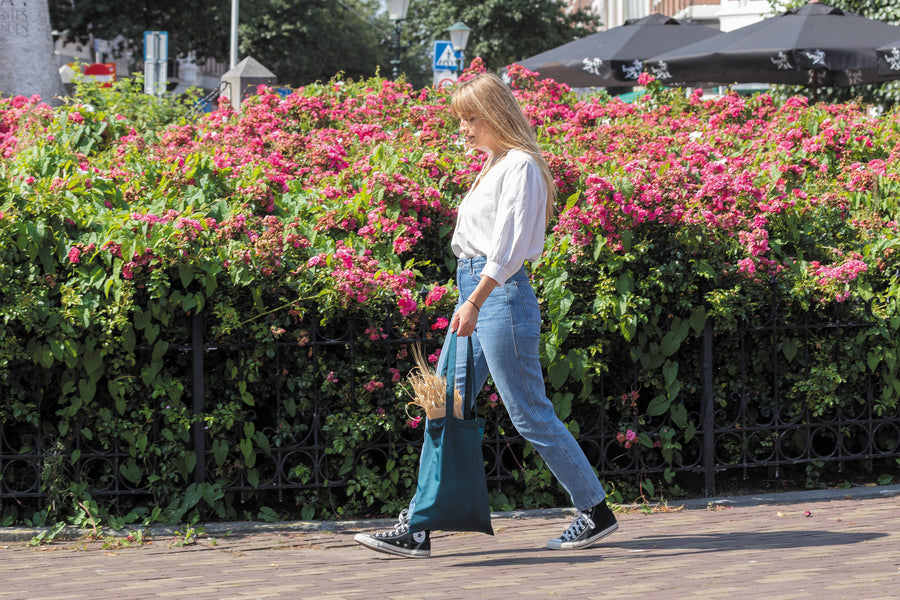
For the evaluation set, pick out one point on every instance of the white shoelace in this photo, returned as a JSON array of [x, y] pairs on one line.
[[402, 522], [581, 522]]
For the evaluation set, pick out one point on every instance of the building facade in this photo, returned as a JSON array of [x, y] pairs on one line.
[[726, 15]]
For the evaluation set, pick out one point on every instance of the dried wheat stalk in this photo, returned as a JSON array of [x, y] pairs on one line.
[[429, 389]]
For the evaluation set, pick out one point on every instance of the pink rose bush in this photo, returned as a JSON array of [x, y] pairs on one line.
[[338, 200]]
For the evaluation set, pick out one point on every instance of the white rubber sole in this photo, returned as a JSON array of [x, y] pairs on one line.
[[558, 544], [378, 546]]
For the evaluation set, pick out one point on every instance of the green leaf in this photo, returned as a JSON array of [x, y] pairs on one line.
[[93, 361], [658, 406], [131, 471], [670, 343], [141, 319], [129, 340], [246, 447], [86, 390], [253, 477], [689, 432], [558, 373], [190, 461], [873, 359], [190, 301], [670, 372], [698, 320], [562, 404], [262, 442], [789, 348], [679, 415], [219, 451], [159, 350], [673, 390], [625, 284], [185, 274], [44, 356], [57, 349], [268, 515]]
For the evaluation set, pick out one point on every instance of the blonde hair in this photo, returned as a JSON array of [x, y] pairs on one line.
[[488, 98]]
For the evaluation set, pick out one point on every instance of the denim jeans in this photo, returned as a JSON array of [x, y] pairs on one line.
[[506, 344]]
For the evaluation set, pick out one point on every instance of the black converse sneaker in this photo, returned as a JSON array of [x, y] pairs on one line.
[[400, 541], [587, 529]]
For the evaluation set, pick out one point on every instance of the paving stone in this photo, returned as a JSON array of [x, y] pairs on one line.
[[845, 548]]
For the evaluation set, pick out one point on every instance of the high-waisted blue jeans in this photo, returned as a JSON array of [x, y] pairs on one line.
[[506, 345]]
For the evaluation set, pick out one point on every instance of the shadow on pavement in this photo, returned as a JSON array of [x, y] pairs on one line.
[[672, 545], [743, 540]]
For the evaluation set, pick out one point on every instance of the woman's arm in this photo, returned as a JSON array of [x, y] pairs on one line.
[[464, 320]]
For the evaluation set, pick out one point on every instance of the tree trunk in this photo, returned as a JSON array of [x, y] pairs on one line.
[[27, 64]]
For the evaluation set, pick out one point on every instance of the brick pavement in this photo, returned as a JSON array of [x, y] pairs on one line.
[[846, 548]]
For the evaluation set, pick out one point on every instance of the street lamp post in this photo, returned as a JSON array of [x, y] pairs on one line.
[[233, 54], [397, 10], [459, 37]]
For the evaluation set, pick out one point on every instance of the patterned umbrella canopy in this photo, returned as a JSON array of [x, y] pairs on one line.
[[889, 59], [814, 44], [615, 57]]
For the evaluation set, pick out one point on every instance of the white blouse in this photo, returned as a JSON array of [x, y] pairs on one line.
[[503, 218]]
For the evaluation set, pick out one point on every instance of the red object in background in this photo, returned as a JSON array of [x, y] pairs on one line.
[[101, 72]]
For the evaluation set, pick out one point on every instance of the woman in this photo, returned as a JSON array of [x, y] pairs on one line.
[[500, 225]]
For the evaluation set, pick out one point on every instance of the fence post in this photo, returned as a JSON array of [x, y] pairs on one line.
[[199, 435], [707, 402]]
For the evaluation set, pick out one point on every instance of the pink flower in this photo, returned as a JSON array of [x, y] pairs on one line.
[[373, 385], [746, 265], [441, 323], [414, 422], [435, 295], [645, 79], [406, 305], [75, 255]]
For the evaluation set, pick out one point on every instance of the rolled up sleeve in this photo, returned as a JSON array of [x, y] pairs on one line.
[[518, 232]]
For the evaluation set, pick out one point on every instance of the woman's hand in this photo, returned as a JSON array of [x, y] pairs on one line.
[[464, 320]]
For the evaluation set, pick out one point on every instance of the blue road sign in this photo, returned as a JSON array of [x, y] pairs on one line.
[[445, 59]]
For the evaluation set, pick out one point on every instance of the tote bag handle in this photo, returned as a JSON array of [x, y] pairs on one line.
[[450, 375]]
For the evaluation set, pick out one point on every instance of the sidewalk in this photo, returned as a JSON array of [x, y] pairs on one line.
[[846, 547]]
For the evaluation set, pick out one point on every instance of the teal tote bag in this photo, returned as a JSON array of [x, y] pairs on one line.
[[451, 493]]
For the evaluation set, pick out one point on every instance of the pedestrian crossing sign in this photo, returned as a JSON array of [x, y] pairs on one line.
[[445, 59]]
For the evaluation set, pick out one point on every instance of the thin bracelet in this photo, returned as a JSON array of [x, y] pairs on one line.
[[473, 304]]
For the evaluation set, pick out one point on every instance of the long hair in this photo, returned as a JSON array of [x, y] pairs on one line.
[[487, 97]]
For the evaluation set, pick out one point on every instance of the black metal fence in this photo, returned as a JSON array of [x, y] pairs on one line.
[[747, 416]]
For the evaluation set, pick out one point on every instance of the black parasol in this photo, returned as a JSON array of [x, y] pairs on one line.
[[814, 44], [615, 57]]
